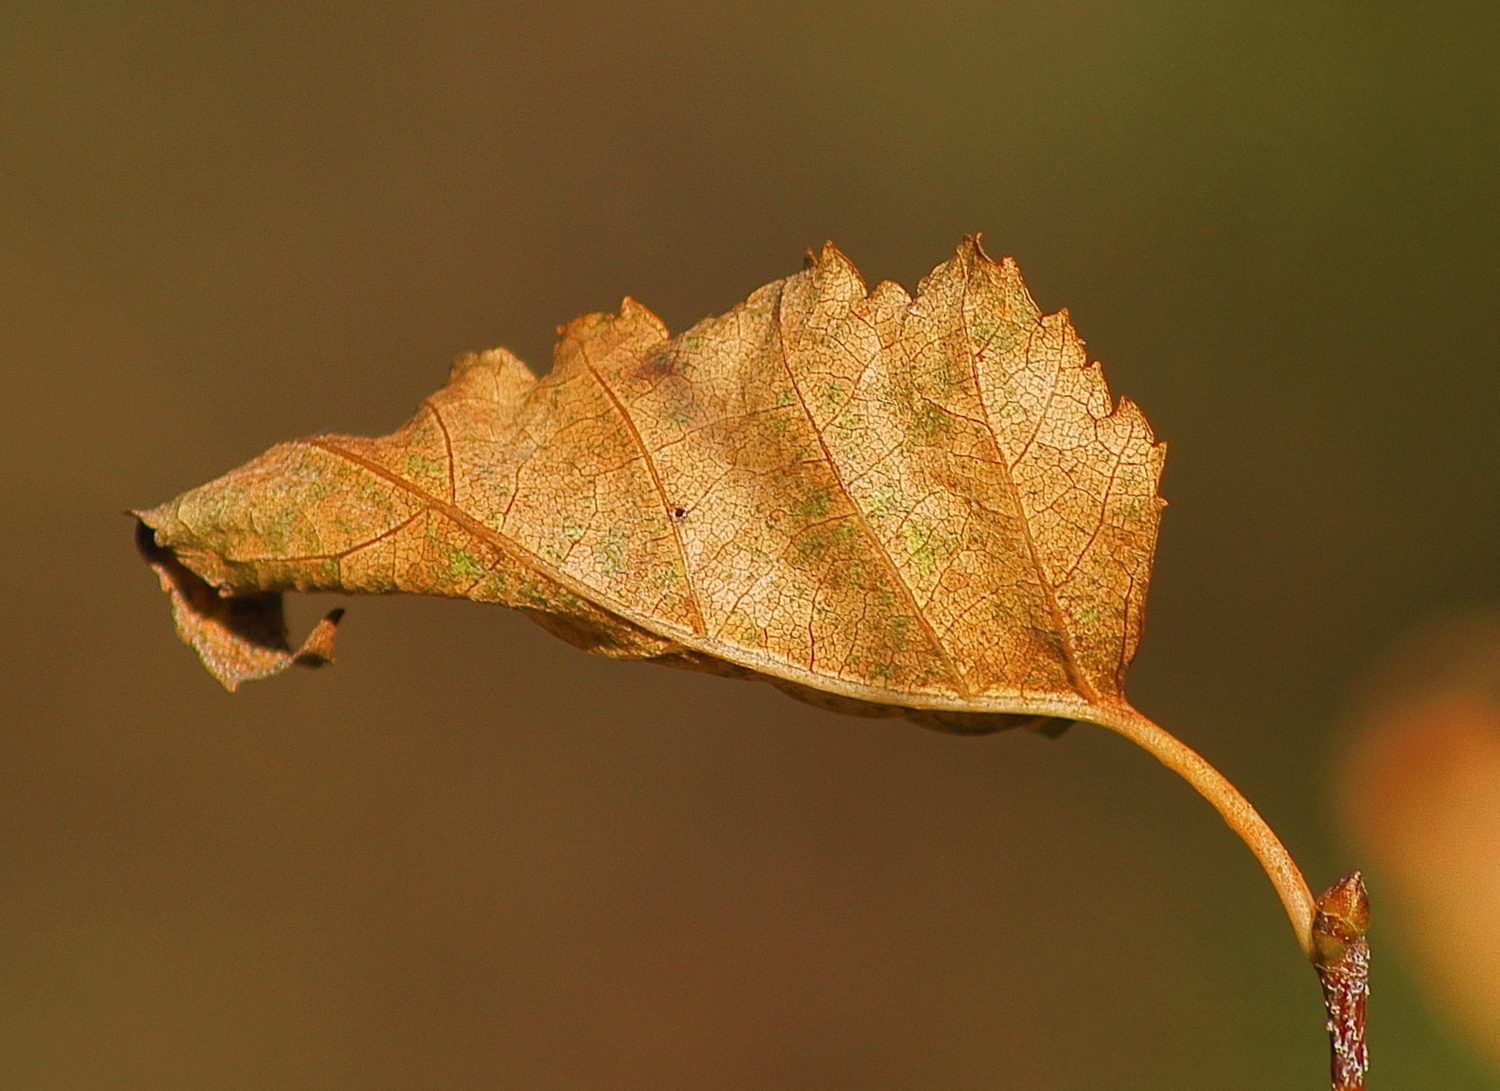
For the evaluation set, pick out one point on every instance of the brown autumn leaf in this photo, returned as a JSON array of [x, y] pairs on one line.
[[925, 507]]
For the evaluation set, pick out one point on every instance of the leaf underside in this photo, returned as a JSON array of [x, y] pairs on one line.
[[889, 506]]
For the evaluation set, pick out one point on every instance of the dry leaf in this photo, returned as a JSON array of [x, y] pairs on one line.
[[888, 506], [926, 507]]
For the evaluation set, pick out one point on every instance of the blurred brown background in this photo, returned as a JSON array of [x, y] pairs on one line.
[[470, 857]]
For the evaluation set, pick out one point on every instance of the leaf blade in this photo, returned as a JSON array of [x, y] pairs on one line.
[[916, 504]]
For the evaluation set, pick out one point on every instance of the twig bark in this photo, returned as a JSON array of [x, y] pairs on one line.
[[1342, 959]]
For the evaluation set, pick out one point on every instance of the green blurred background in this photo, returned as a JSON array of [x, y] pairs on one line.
[[469, 856]]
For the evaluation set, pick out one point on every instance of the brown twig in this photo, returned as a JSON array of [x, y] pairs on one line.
[[1342, 958]]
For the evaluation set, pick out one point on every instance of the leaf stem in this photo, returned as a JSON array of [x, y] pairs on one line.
[[1234, 808], [1330, 929]]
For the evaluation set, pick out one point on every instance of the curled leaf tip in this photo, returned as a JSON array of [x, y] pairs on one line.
[[317, 649], [239, 637]]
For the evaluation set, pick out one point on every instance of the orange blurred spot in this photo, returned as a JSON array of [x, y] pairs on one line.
[[1420, 791]]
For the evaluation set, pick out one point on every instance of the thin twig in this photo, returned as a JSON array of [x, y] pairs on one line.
[[1343, 963]]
